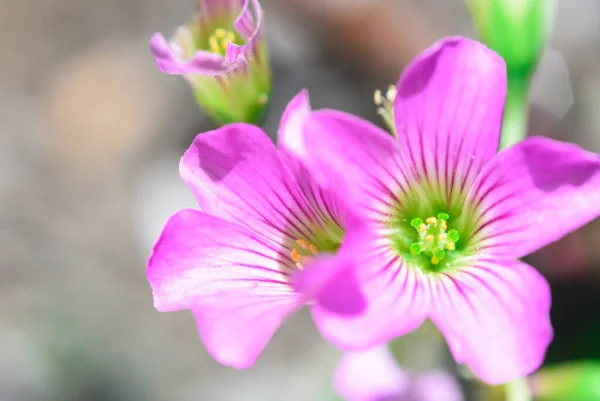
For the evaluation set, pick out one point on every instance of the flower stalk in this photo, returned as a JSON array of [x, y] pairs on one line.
[[516, 111]]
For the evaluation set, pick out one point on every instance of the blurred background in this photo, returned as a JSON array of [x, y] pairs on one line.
[[90, 138]]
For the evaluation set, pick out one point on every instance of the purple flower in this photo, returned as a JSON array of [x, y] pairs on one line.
[[223, 55], [374, 375], [262, 221], [448, 215]]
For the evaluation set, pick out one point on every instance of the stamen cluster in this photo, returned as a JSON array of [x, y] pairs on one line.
[[219, 40], [303, 252], [434, 238]]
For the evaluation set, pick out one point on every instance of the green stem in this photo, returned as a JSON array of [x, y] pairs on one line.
[[518, 390], [516, 111]]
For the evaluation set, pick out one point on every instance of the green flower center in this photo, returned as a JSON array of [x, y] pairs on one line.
[[430, 230], [434, 238]]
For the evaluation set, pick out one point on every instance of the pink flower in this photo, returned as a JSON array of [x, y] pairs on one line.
[[262, 221], [222, 53], [448, 215], [374, 375]]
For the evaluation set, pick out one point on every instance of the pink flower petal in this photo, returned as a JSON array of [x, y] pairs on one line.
[[291, 127], [170, 61], [351, 157], [249, 22], [495, 318], [448, 113], [249, 25], [396, 297], [237, 175], [234, 280], [371, 375], [331, 281], [294, 119], [534, 193], [436, 385]]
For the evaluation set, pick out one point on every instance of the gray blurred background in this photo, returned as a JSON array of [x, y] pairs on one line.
[[90, 138]]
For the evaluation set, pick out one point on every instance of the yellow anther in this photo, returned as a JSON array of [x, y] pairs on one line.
[[431, 220], [220, 33], [302, 243], [442, 237], [303, 253], [391, 93], [218, 41], [299, 266], [295, 256], [385, 106], [450, 246], [444, 225], [434, 260], [377, 97], [429, 238], [213, 45], [422, 228]]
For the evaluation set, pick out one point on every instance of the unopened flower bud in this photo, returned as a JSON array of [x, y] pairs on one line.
[[516, 29]]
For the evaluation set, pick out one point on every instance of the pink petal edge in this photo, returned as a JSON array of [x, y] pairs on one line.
[[233, 279], [526, 202], [495, 317], [371, 375]]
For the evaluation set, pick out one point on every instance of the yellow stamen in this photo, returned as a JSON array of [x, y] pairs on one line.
[[220, 33], [303, 252], [442, 237], [302, 243], [295, 256], [429, 238], [422, 228], [377, 98], [213, 45], [444, 225], [434, 260], [450, 246], [391, 93], [431, 220], [218, 41], [385, 106]]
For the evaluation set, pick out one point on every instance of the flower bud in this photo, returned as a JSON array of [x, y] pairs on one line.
[[222, 53], [516, 29]]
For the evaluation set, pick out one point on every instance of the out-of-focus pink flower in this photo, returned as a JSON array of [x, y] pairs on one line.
[[449, 217], [262, 222], [222, 53], [374, 375]]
